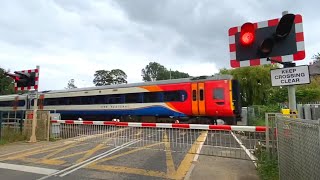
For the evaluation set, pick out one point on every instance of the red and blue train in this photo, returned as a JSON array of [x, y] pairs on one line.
[[203, 99]]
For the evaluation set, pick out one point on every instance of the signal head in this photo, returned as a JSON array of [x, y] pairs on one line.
[[284, 26], [266, 46], [247, 34]]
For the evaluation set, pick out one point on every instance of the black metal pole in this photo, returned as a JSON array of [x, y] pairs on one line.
[[21, 121], [0, 125]]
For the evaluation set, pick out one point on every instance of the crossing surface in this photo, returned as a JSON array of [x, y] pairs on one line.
[[126, 153]]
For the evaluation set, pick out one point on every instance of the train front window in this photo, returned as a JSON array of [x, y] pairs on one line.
[[218, 94]]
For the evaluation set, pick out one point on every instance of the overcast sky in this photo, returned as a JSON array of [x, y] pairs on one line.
[[74, 38]]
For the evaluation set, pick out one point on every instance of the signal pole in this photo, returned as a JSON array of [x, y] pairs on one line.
[[291, 88], [33, 137]]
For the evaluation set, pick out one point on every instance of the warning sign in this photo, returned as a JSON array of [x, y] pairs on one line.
[[290, 76]]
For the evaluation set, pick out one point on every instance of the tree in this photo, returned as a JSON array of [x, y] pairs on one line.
[[105, 77], [71, 84], [316, 57], [178, 75], [155, 71], [6, 83], [256, 87], [101, 78], [118, 76], [255, 83]]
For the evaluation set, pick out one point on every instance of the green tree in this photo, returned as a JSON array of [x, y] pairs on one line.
[[71, 84], [118, 76], [255, 83], [155, 71], [178, 75], [6, 83], [316, 57], [105, 77]]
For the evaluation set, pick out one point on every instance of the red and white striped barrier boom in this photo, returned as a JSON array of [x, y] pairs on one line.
[[167, 125]]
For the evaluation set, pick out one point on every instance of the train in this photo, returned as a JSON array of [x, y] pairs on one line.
[[202, 99]]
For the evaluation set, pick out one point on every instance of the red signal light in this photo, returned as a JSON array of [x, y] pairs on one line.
[[16, 78], [247, 34]]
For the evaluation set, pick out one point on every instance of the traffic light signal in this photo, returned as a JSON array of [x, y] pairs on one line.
[[280, 39], [25, 79], [247, 34]]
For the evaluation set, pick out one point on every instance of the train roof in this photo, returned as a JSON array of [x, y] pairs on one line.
[[10, 96], [171, 81]]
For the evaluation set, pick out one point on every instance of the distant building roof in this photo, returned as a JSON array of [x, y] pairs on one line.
[[315, 68]]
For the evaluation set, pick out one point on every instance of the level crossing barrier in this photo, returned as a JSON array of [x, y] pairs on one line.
[[213, 140]]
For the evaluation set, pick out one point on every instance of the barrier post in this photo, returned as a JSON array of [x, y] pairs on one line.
[[33, 137]]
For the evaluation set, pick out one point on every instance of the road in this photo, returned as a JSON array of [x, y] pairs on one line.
[[135, 153]]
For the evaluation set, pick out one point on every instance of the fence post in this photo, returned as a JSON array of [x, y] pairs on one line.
[[267, 133], [21, 121]]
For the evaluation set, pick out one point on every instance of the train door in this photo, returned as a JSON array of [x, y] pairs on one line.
[[195, 106], [198, 99]]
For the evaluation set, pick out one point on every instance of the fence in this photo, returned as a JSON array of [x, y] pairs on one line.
[[17, 125], [212, 140], [11, 125], [298, 148]]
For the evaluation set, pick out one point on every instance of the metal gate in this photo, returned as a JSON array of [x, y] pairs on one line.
[[213, 140]]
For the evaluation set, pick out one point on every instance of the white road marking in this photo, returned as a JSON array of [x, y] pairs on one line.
[[251, 156], [30, 169], [88, 161]]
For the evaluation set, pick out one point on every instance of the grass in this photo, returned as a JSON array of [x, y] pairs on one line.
[[268, 167], [10, 135]]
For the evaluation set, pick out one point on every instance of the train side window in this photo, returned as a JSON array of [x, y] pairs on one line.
[[6, 103], [86, 100], [21, 103], [75, 100], [151, 97], [194, 95], [171, 96], [201, 94], [132, 98], [60, 101], [116, 99], [218, 94], [100, 100]]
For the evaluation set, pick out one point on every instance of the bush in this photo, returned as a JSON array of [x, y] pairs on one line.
[[257, 117]]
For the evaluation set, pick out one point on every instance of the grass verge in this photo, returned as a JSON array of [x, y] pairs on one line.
[[10, 135], [268, 167]]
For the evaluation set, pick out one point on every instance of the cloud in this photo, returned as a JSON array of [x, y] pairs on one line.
[[73, 39]]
